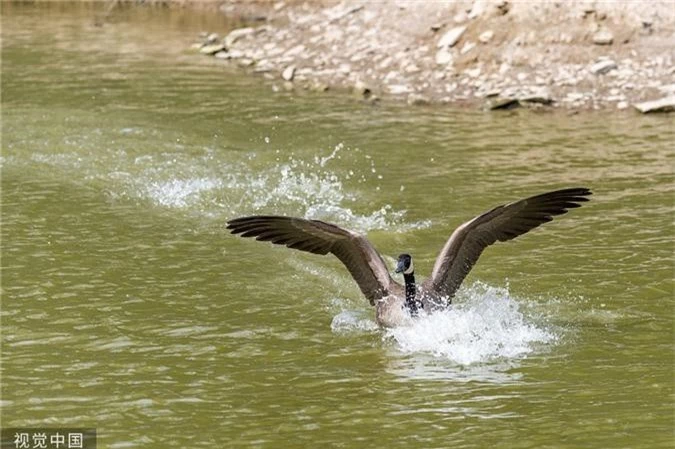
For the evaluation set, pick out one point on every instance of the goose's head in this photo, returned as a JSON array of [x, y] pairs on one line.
[[405, 264]]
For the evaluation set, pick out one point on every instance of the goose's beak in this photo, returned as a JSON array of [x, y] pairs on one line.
[[400, 267]]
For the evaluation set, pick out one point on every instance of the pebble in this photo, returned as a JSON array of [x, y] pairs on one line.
[[451, 37], [473, 73], [460, 17], [478, 8], [361, 88], [386, 62], [389, 77], [451, 87], [417, 100], [540, 97], [603, 37], [295, 50], [486, 36], [602, 67], [468, 46], [345, 69], [412, 68], [237, 34], [211, 49], [288, 73], [235, 54], [263, 67], [397, 89], [443, 56], [574, 96]]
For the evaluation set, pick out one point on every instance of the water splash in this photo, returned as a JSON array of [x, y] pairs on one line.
[[484, 324], [311, 189], [200, 182], [179, 193]]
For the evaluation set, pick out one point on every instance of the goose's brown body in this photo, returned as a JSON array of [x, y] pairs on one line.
[[458, 256]]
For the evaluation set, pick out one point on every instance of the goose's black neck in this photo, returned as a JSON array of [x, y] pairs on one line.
[[411, 303]]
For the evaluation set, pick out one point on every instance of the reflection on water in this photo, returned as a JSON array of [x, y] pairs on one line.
[[129, 308]]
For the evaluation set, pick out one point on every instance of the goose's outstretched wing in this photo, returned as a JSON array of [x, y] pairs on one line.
[[502, 223], [357, 254]]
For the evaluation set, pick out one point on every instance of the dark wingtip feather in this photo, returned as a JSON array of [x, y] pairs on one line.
[[577, 193], [559, 201], [241, 224]]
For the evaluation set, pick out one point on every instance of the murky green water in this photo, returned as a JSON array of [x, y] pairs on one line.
[[126, 306]]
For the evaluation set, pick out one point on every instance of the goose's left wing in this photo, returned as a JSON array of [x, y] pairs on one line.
[[502, 223]]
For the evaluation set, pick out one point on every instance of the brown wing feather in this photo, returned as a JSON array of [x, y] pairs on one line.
[[502, 223], [357, 254]]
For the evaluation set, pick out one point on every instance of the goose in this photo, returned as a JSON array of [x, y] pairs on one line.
[[396, 304]]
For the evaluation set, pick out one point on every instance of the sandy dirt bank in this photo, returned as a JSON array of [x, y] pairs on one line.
[[480, 53]]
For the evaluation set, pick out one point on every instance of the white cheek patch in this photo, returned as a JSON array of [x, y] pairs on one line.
[[410, 269]]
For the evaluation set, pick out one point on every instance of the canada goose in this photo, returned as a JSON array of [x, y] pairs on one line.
[[395, 303]]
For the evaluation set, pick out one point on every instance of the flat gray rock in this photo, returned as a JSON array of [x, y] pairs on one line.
[[503, 103], [211, 49], [665, 104], [539, 98]]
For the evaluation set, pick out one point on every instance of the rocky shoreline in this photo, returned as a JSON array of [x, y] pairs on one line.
[[491, 54]]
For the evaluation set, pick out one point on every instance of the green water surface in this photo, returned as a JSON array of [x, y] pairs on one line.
[[127, 306]]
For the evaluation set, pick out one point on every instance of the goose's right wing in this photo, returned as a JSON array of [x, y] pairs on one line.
[[502, 223], [357, 254]]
